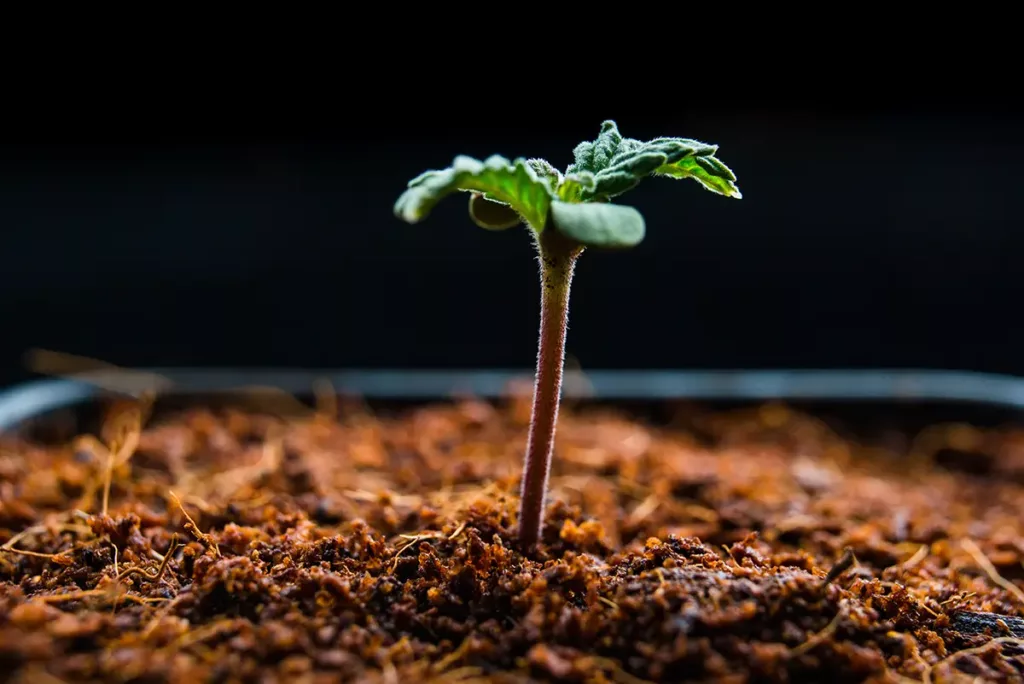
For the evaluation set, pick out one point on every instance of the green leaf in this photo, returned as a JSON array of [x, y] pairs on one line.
[[619, 164], [546, 171], [574, 185], [492, 215], [514, 184], [708, 171], [608, 226], [595, 156], [626, 173]]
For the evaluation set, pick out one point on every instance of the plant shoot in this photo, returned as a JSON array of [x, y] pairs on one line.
[[566, 213]]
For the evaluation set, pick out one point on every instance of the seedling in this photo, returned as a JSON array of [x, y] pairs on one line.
[[566, 213]]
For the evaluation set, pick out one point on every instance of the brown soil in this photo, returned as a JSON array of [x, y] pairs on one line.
[[239, 547]]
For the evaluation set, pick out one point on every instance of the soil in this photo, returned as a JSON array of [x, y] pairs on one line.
[[353, 545]]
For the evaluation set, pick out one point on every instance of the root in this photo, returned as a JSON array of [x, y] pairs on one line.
[[156, 575], [191, 526], [59, 558]]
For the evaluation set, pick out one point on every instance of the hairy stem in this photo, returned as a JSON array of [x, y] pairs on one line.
[[557, 263]]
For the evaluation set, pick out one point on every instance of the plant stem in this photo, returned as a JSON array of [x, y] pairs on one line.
[[557, 262]]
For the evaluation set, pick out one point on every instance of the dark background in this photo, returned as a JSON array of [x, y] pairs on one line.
[[878, 238]]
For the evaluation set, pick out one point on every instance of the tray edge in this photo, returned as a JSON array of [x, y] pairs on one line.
[[33, 398]]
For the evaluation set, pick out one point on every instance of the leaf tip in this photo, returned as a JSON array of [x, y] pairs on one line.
[[405, 208], [732, 190]]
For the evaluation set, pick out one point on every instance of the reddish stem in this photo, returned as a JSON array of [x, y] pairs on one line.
[[557, 263]]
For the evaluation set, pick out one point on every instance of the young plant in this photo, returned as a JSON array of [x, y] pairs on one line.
[[566, 213]]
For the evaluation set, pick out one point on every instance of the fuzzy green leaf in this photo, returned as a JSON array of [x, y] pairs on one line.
[[568, 188], [619, 164], [513, 183], [546, 171], [594, 224], [595, 156], [626, 173], [574, 185]]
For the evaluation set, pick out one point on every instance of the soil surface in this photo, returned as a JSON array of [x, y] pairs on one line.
[[348, 545]]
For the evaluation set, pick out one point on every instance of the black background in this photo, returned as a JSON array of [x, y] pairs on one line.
[[865, 238]]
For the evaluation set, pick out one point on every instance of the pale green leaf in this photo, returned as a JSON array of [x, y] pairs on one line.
[[708, 171], [597, 224], [515, 184], [492, 215]]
